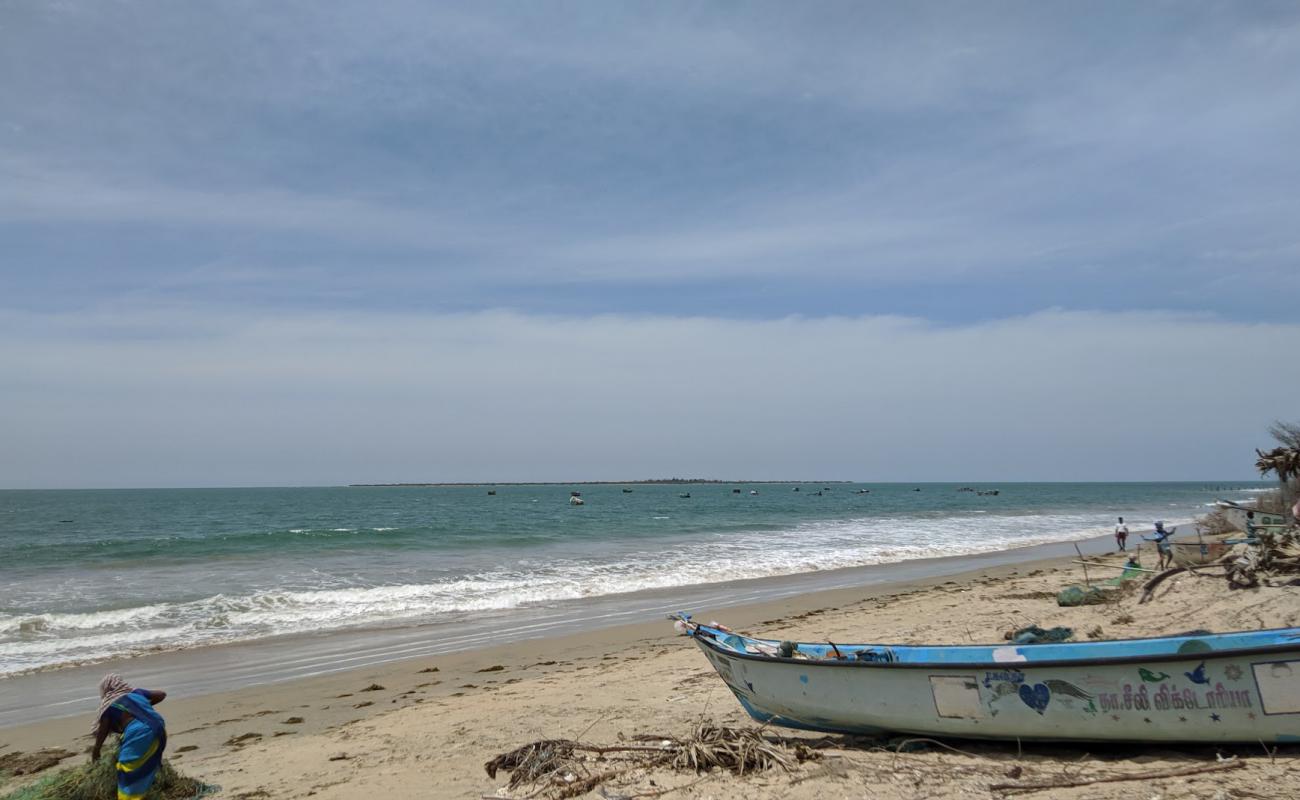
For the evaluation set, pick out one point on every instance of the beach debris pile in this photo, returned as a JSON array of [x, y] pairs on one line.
[[1276, 555], [561, 768], [1270, 558], [98, 781]]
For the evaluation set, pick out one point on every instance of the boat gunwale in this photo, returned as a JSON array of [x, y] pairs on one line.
[[1237, 652]]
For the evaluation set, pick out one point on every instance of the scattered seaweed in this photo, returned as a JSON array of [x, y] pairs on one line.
[[98, 781], [31, 763]]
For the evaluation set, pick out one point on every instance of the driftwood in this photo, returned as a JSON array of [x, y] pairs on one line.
[[1150, 586], [1067, 783], [561, 768]]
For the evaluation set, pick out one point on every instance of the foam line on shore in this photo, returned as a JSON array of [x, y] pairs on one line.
[[217, 669]]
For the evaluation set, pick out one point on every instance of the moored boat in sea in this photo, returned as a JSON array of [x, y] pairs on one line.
[[1203, 687]]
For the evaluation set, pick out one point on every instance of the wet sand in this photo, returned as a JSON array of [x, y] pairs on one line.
[[204, 670], [424, 727]]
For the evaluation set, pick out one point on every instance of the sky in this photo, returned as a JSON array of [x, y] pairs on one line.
[[309, 243]]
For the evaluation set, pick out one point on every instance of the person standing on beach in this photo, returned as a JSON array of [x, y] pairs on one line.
[[1121, 534], [130, 712], [1161, 539]]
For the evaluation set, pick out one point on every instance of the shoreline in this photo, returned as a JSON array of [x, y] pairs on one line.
[[60, 698], [54, 692], [459, 665], [422, 727]]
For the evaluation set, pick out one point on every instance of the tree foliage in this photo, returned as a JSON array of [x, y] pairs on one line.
[[1283, 461]]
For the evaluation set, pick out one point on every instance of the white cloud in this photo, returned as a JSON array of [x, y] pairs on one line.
[[196, 398], [34, 193]]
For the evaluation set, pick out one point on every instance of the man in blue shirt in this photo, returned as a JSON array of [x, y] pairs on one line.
[[1161, 538]]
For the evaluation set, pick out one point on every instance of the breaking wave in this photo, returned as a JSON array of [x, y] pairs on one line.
[[30, 641]]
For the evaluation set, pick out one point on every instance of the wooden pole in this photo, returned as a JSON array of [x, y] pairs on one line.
[[1115, 566]]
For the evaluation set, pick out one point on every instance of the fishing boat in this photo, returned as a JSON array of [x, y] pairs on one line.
[[1201, 687], [1245, 518], [1200, 553]]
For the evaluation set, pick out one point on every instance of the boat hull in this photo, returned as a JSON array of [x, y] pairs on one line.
[[1197, 554], [1203, 697], [1239, 516]]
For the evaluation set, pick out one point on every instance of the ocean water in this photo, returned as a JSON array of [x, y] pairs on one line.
[[93, 574]]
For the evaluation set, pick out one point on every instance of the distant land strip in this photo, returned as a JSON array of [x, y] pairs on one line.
[[647, 481]]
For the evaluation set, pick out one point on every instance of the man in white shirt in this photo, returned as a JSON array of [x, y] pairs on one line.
[[1121, 533]]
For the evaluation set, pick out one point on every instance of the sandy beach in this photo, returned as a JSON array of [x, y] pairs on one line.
[[424, 727]]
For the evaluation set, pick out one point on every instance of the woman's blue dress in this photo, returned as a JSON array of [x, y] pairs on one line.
[[143, 741]]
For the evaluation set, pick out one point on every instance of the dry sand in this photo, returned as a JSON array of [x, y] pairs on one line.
[[424, 728]]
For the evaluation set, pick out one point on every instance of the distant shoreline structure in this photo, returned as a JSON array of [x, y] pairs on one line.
[[643, 482]]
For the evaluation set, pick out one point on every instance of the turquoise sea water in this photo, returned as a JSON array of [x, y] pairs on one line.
[[89, 574]]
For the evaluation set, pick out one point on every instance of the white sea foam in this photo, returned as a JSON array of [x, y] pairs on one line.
[[30, 641]]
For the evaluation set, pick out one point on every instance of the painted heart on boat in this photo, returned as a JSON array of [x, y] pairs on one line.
[[1036, 697]]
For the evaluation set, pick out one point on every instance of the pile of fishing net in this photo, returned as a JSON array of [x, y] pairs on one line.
[[98, 781]]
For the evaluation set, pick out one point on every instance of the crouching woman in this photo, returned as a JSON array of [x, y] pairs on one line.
[[130, 712]]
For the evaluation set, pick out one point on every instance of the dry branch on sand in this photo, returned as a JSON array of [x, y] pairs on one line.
[[561, 768], [1276, 555]]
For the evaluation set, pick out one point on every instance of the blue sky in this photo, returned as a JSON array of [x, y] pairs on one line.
[[176, 177]]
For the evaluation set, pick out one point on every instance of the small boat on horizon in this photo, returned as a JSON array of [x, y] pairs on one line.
[[1196, 687]]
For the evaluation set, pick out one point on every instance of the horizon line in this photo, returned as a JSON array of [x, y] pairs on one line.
[[637, 482]]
